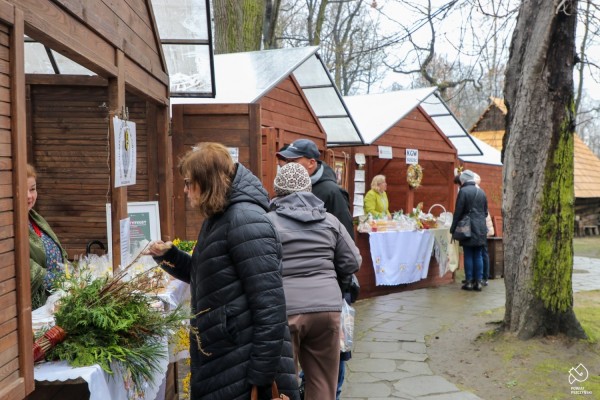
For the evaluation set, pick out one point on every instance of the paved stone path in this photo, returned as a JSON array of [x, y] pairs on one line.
[[389, 359]]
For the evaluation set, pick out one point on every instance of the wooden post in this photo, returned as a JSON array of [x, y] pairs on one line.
[[410, 199], [116, 101], [21, 227]]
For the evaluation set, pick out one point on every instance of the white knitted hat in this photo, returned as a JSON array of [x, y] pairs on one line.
[[292, 177]]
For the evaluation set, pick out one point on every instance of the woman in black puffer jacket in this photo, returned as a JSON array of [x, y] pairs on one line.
[[471, 200], [240, 335]]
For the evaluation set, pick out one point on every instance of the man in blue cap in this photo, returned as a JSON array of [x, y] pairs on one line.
[[323, 178], [337, 202]]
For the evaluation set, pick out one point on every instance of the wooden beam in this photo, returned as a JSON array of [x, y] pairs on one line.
[[116, 101], [21, 227], [51, 25], [165, 173], [255, 133], [141, 82], [71, 80]]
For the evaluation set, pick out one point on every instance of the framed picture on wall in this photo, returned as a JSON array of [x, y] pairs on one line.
[[144, 224]]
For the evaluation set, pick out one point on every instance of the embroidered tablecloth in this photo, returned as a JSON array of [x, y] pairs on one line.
[[403, 257]]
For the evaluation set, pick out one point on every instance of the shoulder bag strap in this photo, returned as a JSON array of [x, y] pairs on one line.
[[476, 193]]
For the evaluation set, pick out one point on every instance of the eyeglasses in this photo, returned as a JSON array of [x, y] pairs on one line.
[[187, 183]]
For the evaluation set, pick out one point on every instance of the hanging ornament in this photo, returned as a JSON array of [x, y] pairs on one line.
[[414, 175]]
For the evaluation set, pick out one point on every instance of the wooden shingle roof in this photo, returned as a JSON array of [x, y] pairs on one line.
[[587, 170]]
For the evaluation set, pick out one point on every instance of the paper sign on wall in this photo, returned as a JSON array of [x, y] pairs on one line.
[[359, 187], [412, 156], [125, 152], [385, 152], [124, 227], [359, 175]]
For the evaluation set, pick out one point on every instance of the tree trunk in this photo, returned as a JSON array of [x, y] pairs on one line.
[[238, 25], [271, 17], [538, 199]]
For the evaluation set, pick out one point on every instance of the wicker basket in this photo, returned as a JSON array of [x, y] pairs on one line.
[[445, 217]]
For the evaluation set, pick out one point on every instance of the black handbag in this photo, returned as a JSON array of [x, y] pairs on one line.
[[463, 226], [463, 229]]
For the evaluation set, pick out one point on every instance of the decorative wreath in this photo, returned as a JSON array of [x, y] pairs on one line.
[[414, 175]]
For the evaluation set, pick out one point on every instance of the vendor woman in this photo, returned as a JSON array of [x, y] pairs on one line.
[[46, 255], [376, 201]]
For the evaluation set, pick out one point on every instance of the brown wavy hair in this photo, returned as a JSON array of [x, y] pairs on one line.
[[210, 166]]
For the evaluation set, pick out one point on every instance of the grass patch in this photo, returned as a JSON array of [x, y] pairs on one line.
[[588, 246], [587, 309]]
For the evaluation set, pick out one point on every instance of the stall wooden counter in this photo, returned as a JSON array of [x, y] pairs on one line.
[[367, 279]]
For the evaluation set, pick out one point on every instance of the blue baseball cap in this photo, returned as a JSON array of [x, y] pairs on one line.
[[300, 148]]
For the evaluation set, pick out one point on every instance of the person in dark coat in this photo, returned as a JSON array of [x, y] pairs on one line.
[[336, 201], [471, 200], [239, 333]]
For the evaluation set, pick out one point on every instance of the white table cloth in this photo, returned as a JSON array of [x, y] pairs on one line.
[[403, 257]]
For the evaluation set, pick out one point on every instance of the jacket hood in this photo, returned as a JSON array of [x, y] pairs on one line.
[[326, 173], [299, 206], [246, 187]]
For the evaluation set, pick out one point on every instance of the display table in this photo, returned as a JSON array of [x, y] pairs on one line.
[[403, 257], [100, 384], [438, 273]]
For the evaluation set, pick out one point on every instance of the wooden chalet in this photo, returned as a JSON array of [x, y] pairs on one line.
[[490, 128], [60, 124], [264, 100], [400, 121]]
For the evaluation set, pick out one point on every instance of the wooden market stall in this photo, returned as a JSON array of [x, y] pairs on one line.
[[60, 125], [390, 124], [264, 100]]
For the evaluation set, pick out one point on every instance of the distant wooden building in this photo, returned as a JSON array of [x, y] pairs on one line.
[[264, 100], [490, 128]]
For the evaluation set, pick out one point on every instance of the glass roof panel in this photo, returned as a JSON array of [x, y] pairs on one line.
[[181, 19], [36, 59], [189, 67], [68, 66], [490, 155], [325, 101], [465, 146], [245, 77], [433, 106], [311, 73], [340, 130], [449, 125]]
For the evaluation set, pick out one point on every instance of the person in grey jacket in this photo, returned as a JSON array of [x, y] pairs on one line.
[[317, 251]]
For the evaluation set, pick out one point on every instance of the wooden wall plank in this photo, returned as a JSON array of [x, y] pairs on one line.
[[70, 147]]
